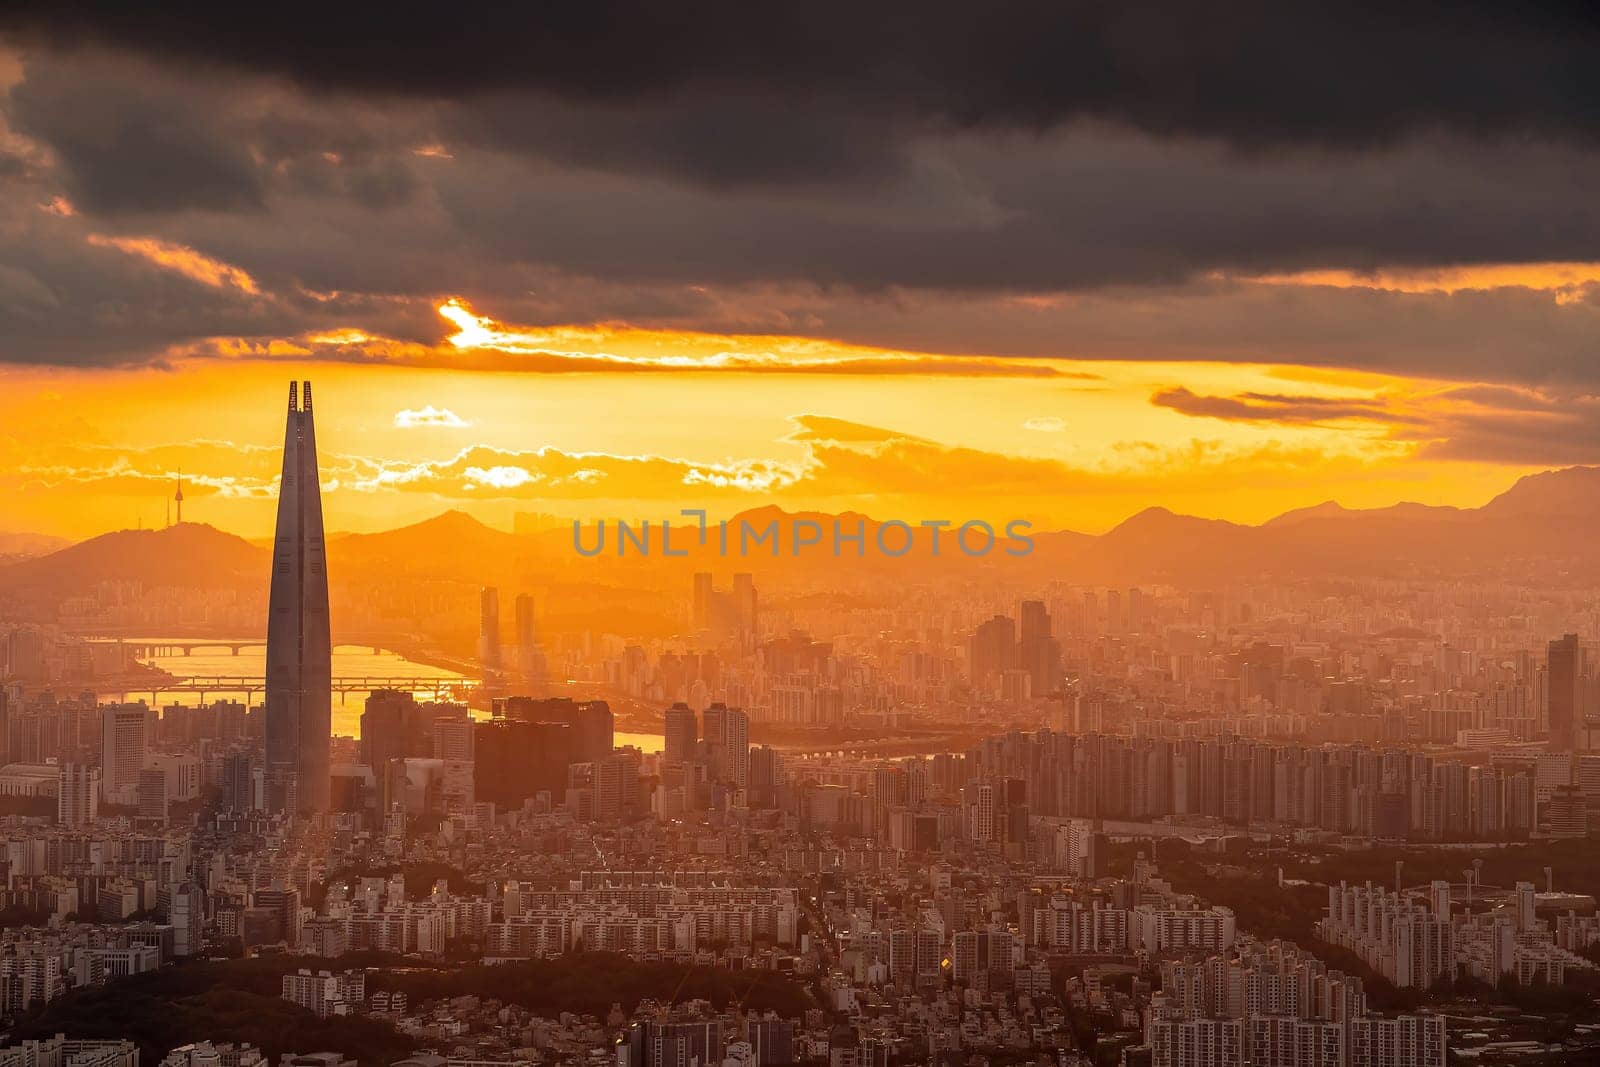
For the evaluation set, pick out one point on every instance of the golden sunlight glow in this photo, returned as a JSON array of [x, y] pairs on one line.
[[193, 265], [1565, 280], [621, 345], [87, 451]]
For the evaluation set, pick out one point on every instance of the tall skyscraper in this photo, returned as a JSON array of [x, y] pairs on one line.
[[530, 657], [489, 632], [393, 727], [125, 734], [991, 650], [299, 648], [703, 592], [682, 731], [1038, 652], [728, 732], [1563, 682], [78, 797], [744, 606]]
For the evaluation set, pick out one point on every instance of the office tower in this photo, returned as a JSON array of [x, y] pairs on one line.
[[678, 1044], [1562, 679], [591, 726], [1034, 620], [385, 723], [596, 727], [240, 790], [744, 607], [992, 650], [772, 1042], [516, 759], [1038, 652], [682, 734], [78, 795], [182, 906], [299, 707], [702, 601], [530, 657], [489, 631], [152, 794], [1113, 611], [25, 655], [616, 786], [124, 747], [764, 771], [452, 737], [284, 904]]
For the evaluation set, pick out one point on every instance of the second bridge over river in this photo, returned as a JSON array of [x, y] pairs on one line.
[[439, 687]]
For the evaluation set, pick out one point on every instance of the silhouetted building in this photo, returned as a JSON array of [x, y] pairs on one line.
[[393, 727], [1564, 663], [703, 592], [299, 692], [489, 631], [530, 656], [682, 733], [727, 734], [992, 650]]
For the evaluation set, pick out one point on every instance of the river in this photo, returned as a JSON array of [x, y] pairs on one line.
[[349, 661]]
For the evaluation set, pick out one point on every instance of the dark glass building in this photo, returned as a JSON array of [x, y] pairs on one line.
[[299, 705]]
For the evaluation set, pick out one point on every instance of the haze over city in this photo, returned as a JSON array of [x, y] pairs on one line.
[[716, 535]]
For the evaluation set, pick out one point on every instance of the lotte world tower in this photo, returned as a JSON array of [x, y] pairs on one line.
[[299, 651]]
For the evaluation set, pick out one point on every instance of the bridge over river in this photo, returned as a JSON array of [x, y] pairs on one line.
[[438, 687]]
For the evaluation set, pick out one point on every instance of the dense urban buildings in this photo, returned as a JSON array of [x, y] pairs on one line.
[[1024, 535]]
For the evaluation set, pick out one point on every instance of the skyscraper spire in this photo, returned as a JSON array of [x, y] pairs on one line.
[[299, 648], [177, 498]]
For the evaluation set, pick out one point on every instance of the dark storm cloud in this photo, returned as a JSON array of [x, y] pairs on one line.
[[1276, 407], [1485, 423], [1082, 209], [1566, 430], [968, 180], [1257, 73], [131, 138], [128, 146]]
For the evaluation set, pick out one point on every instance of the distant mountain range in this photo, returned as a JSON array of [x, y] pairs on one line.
[[15, 546], [1542, 528]]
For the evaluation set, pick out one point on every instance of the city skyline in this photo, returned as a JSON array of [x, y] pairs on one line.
[[1049, 534]]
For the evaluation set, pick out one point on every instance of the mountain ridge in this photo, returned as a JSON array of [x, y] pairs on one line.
[[1154, 544]]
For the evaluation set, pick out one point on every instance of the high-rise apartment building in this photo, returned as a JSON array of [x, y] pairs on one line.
[[299, 696], [727, 731], [78, 795]]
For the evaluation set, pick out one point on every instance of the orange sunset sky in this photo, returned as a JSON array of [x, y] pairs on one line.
[[651, 421], [523, 292]]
